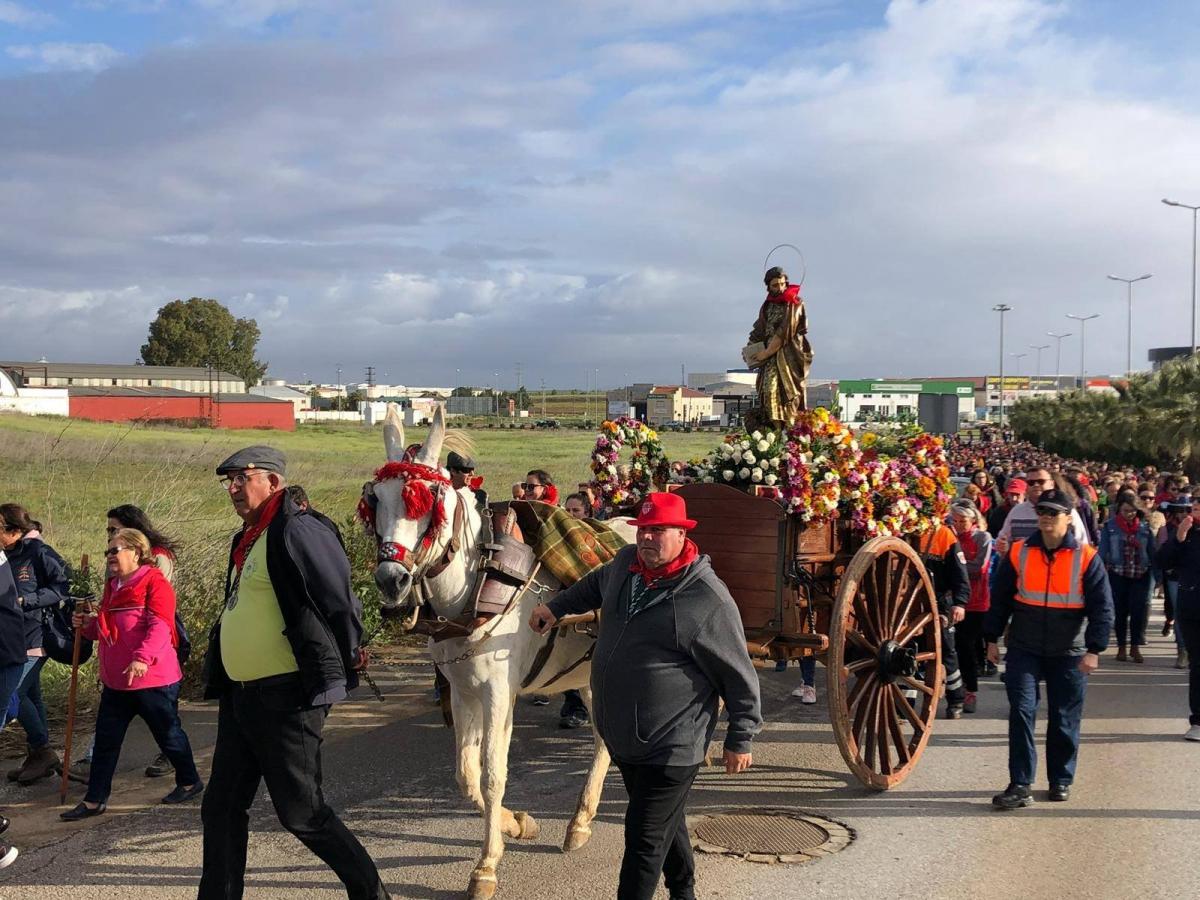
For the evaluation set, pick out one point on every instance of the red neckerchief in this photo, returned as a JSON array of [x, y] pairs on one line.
[[966, 541], [674, 567], [790, 296], [132, 600], [251, 532]]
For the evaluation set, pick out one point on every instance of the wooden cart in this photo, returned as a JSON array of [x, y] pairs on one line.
[[867, 610]]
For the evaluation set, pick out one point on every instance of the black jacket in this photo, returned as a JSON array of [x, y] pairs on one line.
[[1047, 631], [322, 618], [42, 581], [1184, 559], [12, 619]]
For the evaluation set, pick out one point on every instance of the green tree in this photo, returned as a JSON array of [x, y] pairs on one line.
[[200, 332], [522, 398]]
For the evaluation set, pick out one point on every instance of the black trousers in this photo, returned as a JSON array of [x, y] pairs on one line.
[[265, 733], [955, 692], [657, 844], [968, 641], [1190, 630], [159, 709]]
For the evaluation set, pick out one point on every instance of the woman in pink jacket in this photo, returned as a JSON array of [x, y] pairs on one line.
[[136, 640]]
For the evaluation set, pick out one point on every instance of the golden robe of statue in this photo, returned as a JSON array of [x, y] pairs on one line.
[[782, 325]]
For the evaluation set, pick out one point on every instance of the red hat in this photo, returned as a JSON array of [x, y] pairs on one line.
[[663, 509], [1015, 485]]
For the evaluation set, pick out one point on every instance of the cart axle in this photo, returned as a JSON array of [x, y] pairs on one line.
[[895, 661]]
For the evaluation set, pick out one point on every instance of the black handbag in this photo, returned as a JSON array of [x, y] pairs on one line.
[[58, 634]]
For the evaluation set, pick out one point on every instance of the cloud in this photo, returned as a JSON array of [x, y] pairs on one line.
[[23, 17], [472, 185], [66, 57]]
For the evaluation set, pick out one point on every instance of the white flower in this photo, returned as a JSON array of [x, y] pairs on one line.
[[757, 435], [771, 479], [708, 479], [743, 473], [763, 446], [820, 461], [769, 436], [748, 458], [745, 445], [831, 476], [727, 474], [757, 474]]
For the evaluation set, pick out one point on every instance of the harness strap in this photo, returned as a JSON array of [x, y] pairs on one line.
[[539, 661], [571, 668]]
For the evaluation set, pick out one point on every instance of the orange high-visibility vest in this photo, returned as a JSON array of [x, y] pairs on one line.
[[1057, 584]]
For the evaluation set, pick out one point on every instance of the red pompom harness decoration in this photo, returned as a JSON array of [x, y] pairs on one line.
[[418, 500]]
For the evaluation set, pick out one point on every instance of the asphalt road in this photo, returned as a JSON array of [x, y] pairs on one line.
[[1130, 829]]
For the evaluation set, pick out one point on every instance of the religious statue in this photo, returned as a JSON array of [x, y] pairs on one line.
[[779, 349]]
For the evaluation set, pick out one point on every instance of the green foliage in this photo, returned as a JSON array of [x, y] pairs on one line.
[[1153, 420], [200, 332]]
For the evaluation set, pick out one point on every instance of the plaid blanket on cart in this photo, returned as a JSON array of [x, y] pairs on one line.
[[570, 547]]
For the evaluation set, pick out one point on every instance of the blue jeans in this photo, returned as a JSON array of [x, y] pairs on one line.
[[1065, 690], [159, 709], [10, 680], [1171, 590], [32, 714]]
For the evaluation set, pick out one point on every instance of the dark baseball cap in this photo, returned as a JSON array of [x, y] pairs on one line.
[[1054, 499], [259, 456]]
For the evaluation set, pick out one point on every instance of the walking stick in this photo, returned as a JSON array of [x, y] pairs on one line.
[[66, 768]]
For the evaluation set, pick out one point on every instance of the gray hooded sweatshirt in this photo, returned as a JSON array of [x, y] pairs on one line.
[[657, 674]]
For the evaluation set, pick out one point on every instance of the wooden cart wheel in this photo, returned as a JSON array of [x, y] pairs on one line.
[[885, 639]]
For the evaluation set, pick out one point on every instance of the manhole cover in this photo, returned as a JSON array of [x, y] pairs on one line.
[[770, 836]]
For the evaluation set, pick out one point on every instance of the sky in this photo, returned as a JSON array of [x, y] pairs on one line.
[[587, 190]]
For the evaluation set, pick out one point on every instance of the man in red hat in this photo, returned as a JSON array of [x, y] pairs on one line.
[[670, 648]]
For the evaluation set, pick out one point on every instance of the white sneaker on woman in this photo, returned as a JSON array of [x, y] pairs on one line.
[[1193, 733], [806, 694]]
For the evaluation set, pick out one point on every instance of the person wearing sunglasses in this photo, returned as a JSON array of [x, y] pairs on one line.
[[539, 486], [139, 669], [1127, 550], [1181, 553], [1052, 595], [1022, 520]]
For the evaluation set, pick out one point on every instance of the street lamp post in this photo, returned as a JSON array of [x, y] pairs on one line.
[[1039, 348], [1017, 365], [1129, 327], [1001, 308], [1082, 320], [1058, 356], [1193, 209]]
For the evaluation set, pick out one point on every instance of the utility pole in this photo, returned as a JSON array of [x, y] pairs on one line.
[[1058, 338], [1001, 308], [543, 398]]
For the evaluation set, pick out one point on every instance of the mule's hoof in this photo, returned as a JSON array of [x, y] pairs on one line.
[[483, 884], [528, 825], [577, 836]]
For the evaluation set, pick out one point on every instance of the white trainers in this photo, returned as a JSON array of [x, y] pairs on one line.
[[805, 694], [7, 855], [1193, 733]]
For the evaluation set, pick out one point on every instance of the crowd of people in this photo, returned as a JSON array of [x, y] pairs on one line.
[[1044, 554]]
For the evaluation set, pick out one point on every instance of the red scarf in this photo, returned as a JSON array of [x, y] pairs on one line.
[[251, 533], [790, 296], [674, 567], [133, 595]]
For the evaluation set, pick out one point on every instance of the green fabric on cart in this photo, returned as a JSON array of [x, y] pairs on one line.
[[570, 547]]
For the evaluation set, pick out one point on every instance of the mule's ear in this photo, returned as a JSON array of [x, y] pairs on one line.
[[393, 433], [432, 448]]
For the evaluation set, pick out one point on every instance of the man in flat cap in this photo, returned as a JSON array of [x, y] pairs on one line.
[[285, 648], [462, 475]]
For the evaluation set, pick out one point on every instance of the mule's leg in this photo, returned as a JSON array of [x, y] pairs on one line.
[[468, 736], [580, 827], [497, 736]]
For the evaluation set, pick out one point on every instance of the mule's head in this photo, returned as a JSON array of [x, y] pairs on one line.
[[406, 507]]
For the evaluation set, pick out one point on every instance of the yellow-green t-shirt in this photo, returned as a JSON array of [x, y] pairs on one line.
[[252, 641]]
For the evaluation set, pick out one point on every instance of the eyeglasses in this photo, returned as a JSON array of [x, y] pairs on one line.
[[462, 471], [1145, 496], [113, 551], [529, 486], [238, 480], [110, 530], [1050, 511]]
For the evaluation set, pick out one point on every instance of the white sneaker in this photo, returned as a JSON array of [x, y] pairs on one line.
[[7, 855], [1193, 733], [805, 694]]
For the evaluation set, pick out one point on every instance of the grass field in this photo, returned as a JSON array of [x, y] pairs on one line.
[[68, 473]]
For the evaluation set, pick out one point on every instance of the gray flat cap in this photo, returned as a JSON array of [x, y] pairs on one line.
[[458, 461], [259, 456]]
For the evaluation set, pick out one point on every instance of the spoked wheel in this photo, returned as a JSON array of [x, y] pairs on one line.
[[884, 643]]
